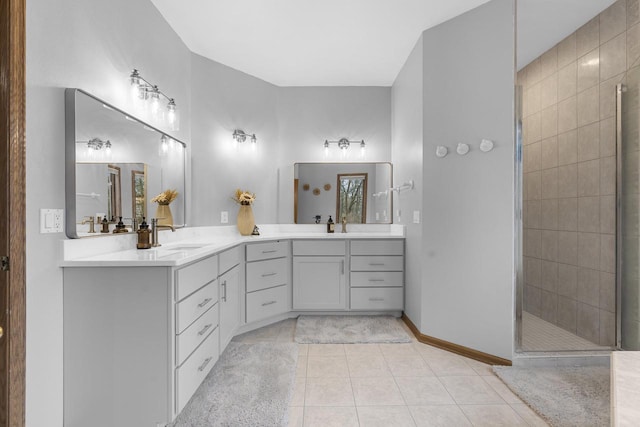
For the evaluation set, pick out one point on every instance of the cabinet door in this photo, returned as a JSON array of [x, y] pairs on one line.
[[319, 283], [229, 305]]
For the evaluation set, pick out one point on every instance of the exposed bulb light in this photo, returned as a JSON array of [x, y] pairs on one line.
[[146, 91], [241, 136], [344, 144], [164, 144]]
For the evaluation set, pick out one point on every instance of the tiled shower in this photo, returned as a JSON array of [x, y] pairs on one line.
[[569, 175]]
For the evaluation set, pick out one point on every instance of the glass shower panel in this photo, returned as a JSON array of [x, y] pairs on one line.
[[629, 191]]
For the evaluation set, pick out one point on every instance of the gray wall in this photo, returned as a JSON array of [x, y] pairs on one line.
[[468, 228], [92, 45], [407, 139], [458, 86]]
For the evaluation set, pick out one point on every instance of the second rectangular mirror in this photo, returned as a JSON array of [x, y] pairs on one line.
[[358, 190]]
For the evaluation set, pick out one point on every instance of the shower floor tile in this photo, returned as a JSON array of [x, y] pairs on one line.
[[540, 335]]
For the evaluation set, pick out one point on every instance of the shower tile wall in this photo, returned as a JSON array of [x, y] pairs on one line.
[[569, 169]]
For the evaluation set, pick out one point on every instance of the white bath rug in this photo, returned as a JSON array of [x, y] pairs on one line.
[[251, 385], [349, 330], [564, 397]]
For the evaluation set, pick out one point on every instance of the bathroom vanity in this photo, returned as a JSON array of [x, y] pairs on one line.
[[143, 328]]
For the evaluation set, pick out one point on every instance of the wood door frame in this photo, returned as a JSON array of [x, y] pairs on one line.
[[12, 200]]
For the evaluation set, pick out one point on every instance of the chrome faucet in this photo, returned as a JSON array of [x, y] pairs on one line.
[[154, 231], [91, 222], [344, 223]]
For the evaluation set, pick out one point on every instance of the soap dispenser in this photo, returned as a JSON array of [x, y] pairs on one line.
[[331, 226], [144, 235]]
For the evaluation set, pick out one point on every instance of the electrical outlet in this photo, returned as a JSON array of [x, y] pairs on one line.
[[224, 217], [416, 217], [51, 220]]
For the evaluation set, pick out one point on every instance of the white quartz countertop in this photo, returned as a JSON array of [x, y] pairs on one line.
[[193, 243]]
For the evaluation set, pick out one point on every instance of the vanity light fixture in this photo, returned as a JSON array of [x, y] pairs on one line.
[[146, 91], [97, 144], [240, 136], [164, 144], [343, 143]]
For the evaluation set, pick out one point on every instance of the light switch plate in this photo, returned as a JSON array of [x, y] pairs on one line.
[[51, 220], [416, 217], [224, 217]]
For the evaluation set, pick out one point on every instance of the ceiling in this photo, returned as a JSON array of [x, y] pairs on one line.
[[346, 43]]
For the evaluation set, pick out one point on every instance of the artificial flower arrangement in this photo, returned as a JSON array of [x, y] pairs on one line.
[[243, 197], [166, 197]]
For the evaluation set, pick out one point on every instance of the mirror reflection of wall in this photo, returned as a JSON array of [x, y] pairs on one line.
[[108, 139], [316, 192]]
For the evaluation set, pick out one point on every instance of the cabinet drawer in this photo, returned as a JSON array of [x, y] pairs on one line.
[[376, 279], [267, 274], [269, 250], [195, 369], [229, 259], [377, 263], [191, 337], [267, 303], [319, 247], [377, 298], [189, 309], [377, 247], [195, 276]]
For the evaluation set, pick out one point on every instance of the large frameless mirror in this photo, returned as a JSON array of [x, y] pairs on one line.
[[360, 191], [115, 165]]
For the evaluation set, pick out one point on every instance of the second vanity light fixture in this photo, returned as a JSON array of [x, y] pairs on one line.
[[146, 91], [241, 136], [343, 143]]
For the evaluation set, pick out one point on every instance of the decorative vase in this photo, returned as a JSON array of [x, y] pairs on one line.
[[246, 221], [163, 213]]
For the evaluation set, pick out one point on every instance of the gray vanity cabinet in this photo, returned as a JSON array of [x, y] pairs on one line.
[[319, 278], [230, 294], [138, 341]]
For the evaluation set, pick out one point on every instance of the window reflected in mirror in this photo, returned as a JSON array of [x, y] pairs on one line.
[[139, 191], [352, 198]]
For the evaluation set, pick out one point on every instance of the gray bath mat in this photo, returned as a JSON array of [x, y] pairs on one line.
[[349, 330], [564, 397], [251, 385]]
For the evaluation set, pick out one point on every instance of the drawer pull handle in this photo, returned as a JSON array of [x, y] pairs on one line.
[[205, 302], [376, 263], [204, 364], [205, 329], [376, 299], [224, 287], [268, 303], [269, 252], [376, 280], [269, 274]]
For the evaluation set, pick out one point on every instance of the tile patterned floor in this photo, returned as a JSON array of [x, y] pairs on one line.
[[540, 335], [391, 385]]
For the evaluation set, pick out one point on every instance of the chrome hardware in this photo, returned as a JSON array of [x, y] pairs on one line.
[[376, 263], [376, 280], [376, 299], [205, 329], [204, 365], [224, 287], [269, 252], [268, 303], [342, 267], [205, 302], [269, 274]]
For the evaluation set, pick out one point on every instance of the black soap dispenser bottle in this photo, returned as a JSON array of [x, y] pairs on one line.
[[331, 226]]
